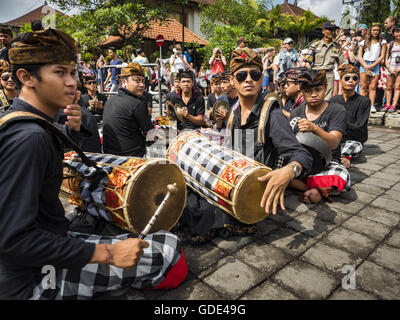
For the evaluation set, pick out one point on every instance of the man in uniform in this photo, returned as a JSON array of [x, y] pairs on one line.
[[323, 55], [34, 237], [5, 40], [126, 119]]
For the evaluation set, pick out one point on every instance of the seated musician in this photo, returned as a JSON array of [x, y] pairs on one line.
[[39, 258], [7, 87], [200, 220], [292, 90], [92, 100], [216, 90], [328, 121], [192, 105], [357, 109], [126, 118]]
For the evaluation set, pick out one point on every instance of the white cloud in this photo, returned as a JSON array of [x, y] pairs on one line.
[[328, 8]]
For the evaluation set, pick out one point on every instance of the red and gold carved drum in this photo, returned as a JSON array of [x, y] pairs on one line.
[[221, 175], [130, 194]]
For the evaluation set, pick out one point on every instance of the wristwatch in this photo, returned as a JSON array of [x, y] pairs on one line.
[[296, 169]]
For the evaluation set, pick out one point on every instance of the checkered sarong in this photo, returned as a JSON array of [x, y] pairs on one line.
[[351, 149], [335, 176], [93, 197], [162, 266]]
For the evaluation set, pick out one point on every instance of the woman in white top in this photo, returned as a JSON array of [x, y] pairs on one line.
[[370, 54], [178, 62], [393, 66]]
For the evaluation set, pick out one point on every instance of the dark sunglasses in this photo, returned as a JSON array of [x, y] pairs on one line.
[[242, 75], [347, 78], [5, 77], [91, 82]]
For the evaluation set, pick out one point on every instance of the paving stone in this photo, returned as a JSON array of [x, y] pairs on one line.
[[396, 187], [379, 215], [201, 257], [293, 203], [233, 278], [391, 170], [358, 176], [193, 290], [366, 227], [292, 242], [264, 227], [232, 244], [387, 204], [387, 256], [350, 241], [310, 225], [368, 188], [269, 290], [329, 258], [263, 257], [354, 195], [369, 166], [391, 194], [352, 294], [380, 281], [349, 207], [334, 217], [379, 182], [386, 176], [394, 239], [306, 280], [281, 217]]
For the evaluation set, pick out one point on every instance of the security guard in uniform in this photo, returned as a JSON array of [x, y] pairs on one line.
[[324, 53]]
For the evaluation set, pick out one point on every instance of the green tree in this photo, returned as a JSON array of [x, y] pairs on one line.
[[396, 12], [301, 25], [98, 19], [374, 11]]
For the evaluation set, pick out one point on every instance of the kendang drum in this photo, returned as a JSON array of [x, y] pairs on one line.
[[129, 194], [221, 175]]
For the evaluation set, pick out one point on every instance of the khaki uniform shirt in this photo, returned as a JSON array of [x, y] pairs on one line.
[[323, 56]]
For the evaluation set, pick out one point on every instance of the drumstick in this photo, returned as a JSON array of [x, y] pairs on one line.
[[172, 188]]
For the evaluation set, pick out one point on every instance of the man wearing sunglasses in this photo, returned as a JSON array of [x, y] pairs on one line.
[[92, 100], [246, 68], [7, 88], [357, 110]]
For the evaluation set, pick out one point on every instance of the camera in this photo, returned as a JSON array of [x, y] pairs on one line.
[[357, 34], [397, 59]]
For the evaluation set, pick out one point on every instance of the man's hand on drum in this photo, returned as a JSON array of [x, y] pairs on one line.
[[183, 112], [278, 180], [221, 115], [74, 114]]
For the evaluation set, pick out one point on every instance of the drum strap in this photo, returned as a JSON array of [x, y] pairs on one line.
[[15, 116], [3, 99]]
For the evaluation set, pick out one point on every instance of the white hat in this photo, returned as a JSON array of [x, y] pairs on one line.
[[288, 40], [304, 51]]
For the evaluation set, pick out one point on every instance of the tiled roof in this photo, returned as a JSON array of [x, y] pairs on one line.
[[35, 14], [293, 10], [170, 29]]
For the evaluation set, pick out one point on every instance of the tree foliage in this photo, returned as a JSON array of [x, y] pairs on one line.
[[374, 11], [101, 18]]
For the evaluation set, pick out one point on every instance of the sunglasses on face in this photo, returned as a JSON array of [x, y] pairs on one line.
[[91, 82], [5, 77], [347, 78], [242, 75]]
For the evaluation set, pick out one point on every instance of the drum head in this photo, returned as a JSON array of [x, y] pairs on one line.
[[149, 189], [247, 197]]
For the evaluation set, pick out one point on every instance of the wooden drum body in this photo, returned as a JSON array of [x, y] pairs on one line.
[[133, 191], [221, 175]]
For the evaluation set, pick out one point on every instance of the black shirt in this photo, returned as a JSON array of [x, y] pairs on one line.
[[86, 98], [388, 37], [195, 106], [32, 221], [4, 54], [126, 122], [333, 118], [211, 100], [279, 137], [147, 98], [357, 109]]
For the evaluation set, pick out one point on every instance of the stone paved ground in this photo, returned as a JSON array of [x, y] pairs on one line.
[[300, 254]]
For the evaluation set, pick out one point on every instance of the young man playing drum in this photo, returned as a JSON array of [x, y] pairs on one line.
[[34, 235]]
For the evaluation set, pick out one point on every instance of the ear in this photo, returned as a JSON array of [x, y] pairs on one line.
[[25, 78]]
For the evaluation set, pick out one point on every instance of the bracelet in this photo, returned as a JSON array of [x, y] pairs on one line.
[[108, 255]]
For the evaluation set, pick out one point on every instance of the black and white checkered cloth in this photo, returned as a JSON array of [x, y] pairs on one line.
[[205, 157], [335, 175], [163, 253], [94, 198], [351, 148]]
